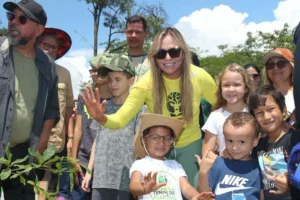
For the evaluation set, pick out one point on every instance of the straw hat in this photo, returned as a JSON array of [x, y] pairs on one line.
[[149, 120]]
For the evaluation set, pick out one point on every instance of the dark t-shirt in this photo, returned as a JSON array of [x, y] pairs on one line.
[[272, 158], [297, 73], [235, 179]]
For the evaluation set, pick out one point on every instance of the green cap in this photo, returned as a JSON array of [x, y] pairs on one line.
[[114, 62]]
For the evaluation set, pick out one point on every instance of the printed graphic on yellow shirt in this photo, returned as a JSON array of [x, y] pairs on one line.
[[174, 104]]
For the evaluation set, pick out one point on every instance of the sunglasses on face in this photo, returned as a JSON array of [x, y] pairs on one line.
[[280, 64], [173, 53], [48, 46], [255, 76], [22, 18]]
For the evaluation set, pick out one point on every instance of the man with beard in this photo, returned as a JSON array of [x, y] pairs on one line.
[[136, 33], [28, 91]]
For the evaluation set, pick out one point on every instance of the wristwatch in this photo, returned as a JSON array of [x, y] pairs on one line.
[[70, 137], [292, 123]]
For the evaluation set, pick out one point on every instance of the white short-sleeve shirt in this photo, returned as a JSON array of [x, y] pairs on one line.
[[169, 171]]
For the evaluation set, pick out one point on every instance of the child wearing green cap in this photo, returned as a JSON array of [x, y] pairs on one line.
[[112, 151]]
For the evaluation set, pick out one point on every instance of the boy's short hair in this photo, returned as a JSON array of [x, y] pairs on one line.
[[238, 119], [147, 130], [259, 98], [135, 19]]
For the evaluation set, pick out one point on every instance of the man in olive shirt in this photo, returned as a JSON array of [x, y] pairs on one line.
[[28, 90]]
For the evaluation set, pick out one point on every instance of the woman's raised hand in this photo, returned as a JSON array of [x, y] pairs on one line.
[[92, 102]]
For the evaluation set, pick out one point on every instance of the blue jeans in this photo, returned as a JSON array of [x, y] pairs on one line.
[[64, 178], [78, 193], [64, 181]]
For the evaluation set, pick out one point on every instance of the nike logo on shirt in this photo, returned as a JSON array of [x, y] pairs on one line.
[[220, 191]]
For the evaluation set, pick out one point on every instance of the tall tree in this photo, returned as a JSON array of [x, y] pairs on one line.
[[3, 30], [100, 6], [114, 20]]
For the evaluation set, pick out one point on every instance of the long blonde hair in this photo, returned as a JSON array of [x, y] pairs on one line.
[[158, 86], [221, 102]]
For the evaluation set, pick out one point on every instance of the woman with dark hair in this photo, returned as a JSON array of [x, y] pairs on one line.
[[254, 73]]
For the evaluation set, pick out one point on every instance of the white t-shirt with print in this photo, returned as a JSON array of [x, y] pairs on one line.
[[169, 171], [214, 124]]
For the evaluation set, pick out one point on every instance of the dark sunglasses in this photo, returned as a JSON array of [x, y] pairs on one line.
[[255, 76], [173, 53], [22, 18], [280, 64]]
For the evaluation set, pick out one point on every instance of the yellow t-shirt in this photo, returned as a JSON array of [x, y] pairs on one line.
[[203, 85]]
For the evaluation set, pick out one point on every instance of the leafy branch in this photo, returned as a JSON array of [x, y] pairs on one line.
[[48, 161]]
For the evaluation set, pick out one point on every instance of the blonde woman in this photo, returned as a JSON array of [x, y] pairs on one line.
[[173, 87], [279, 66]]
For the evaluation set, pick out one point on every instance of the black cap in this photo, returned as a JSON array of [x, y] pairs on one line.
[[30, 8]]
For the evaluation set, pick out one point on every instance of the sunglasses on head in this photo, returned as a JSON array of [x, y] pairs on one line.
[[280, 64], [255, 76], [173, 53], [22, 18]]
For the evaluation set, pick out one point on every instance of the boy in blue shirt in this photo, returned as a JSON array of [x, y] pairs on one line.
[[238, 178]]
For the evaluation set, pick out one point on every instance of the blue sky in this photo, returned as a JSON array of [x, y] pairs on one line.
[[73, 15], [205, 24]]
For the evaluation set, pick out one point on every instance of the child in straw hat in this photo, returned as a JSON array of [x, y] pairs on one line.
[[154, 177]]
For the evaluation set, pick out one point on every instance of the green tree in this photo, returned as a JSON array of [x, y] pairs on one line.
[[101, 6], [251, 51], [3, 31]]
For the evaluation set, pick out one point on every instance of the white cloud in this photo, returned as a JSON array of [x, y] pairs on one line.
[[206, 28], [76, 62]]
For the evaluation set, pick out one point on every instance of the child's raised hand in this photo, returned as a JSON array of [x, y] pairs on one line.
[[149, 183], [204, 196], [206, 162], [281, 183], [93, 105]]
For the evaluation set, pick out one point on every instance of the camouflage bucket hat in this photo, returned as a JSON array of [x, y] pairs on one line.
[[118, 63]]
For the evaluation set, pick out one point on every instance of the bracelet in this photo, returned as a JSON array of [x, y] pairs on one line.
[[70, 137]]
